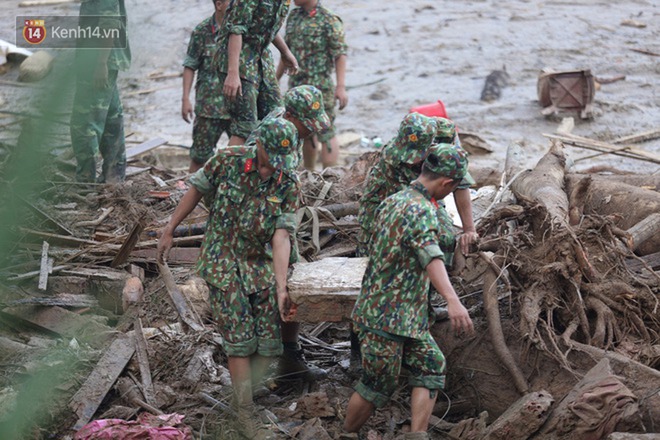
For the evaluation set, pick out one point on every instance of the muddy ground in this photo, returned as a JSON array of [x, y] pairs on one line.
[[421, 51]]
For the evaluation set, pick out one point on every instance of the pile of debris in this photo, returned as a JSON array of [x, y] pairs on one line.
[[564, 291]]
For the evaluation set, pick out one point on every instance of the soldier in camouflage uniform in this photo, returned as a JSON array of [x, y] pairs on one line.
[[447, 134], [246, 252], [97, 119], [391, 309], [303, 107], [211, 118], [399, 165], [315, 36], [245, 65]]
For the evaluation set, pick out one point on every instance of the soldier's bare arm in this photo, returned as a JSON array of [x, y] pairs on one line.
[[340, 89], [287, 58], [186, 105], [281, 251], [464, 206], [190, 199], [458, 314], [232, 87]]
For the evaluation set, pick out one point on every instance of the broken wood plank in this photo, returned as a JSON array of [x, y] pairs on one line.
[[61, 300], [64, 240], [177, 255], [134, 171], [65, 323], [88, 398], [105, 212], [46, 216], [20, 325], [591, 144], [46, 267], [143, 362], [97, 273], [339, 210], [144, 147], [129, 244], [30, 3], [32, 274], [180, 302], [326, 290], [339, 250], [642, 231], [637, 138]]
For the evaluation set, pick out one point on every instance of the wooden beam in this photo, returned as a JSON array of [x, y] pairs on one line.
[[89, 397], [129, 244], [143, 362], [144, 147], [180, 302], [604, 147]]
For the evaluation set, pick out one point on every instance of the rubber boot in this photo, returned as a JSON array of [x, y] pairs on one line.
[[293, 365]]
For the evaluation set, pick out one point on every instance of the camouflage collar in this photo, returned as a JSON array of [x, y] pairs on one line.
[[421, 189]]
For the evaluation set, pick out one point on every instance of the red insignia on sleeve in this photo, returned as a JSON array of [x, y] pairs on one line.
[[312, 13], [248, 165], [434, 201], [279, 179]]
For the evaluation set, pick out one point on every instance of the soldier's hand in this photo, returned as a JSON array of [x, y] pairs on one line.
[[164, 245], [460, 319], [290, 63], [232, 87], [466, 240], [286, 307], [101, 77], [186, 110], [341, 96]]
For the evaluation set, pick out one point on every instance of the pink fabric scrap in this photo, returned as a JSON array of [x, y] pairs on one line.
[[146, 427]]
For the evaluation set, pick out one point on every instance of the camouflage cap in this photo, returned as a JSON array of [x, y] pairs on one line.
[[279, 138], [306, 103], [446, 130], [415, 136], [448, 161]]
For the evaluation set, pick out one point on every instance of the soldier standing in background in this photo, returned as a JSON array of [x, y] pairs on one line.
[[211, 118], [316, 38], [97, 117]]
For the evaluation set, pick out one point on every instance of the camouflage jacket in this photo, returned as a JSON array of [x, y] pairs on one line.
[[108, 14], [385, 179], [395, 287], [246, 212], [199, 57], [316, 39], [258, 21]]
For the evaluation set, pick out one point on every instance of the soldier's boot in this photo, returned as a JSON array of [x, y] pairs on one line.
[[416, 436], [294, 366], [249, 423]]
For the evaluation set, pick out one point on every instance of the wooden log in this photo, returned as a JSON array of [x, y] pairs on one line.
[[339, 210], [326, 290], [60, 300], [645, 181], [185, 310], [644, 230], [544, 185], [88, 398], [177, 255], [522, 419]]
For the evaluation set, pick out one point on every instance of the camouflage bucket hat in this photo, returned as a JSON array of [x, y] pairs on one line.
[[306, 104], [448, 161], [414, 138], [446, 131], [279, 139]]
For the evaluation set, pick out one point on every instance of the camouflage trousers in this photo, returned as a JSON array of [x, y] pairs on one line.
[[383, 356], [97, 125], [206, 134], [253, 105], [249, 323], [327, 88]]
